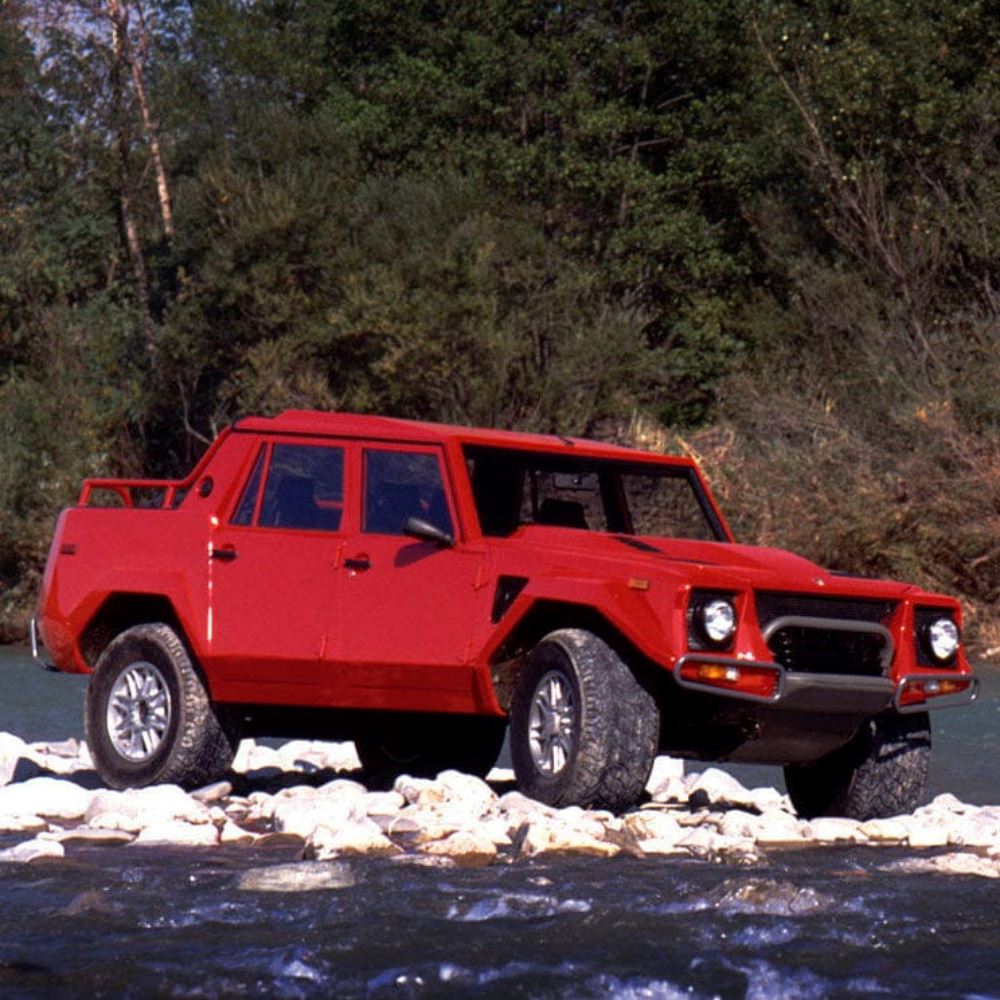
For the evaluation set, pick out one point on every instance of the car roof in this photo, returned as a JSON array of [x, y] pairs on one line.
[[358, 425]]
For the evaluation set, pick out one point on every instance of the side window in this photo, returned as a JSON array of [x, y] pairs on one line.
[[305, 488], [402, 484], [244, 511]]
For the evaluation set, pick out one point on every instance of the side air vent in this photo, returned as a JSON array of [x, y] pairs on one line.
[[508, 588]]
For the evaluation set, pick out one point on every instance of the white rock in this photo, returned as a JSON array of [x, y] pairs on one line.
[[212, 793], [383, 803], [958, 863], [301, 817], [945, 803], [778, 828], [496, 830], [501, 775], [361, 836], [342, 790], [241, 759], [517, 809], [665, 769], [250, 756], [420, 824], [718, 788], [924, 832], [307, 755], [32, 850], [22, 823], [474, 795], [835, 829], [304, 876], [138, 808], [551, 837], [230, 833], [650, 824], [739, 824], [701, 841], [768, 799], [12, 749], [90, 836], [44, 797], [466, 847], [419, 791], [885, 831], [177, 832], [592, 823], [659, 846], [671, 790], [974, 829]]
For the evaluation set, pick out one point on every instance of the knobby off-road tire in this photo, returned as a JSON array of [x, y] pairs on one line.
[[424, 745], [148, 716], [583, 730], [881, 772]]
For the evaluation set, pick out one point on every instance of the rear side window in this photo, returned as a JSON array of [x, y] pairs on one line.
[[400, 485], [305, 488]]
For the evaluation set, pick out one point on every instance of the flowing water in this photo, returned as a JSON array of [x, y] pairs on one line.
[[835, 922]]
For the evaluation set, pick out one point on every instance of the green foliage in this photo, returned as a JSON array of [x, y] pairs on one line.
[[777, 217]]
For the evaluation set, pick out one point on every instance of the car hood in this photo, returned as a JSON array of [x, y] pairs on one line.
[[722, 563]]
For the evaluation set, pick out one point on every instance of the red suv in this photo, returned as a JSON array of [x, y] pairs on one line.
[[416, 587]]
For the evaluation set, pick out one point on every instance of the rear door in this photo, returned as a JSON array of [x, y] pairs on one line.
[[408, 610], [274, 574]]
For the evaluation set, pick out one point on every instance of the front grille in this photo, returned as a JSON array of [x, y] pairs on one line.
[[828, 651], [773, 605], [824, 648]]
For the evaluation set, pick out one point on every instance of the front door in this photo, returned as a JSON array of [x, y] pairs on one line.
[[274, 575], [409, 611]]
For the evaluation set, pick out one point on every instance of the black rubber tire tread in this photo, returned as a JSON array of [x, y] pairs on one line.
[[881, 772], [425, 745], [617, 725], [196, 748]]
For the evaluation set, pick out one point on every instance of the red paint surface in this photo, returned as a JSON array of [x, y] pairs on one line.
[[282, 617]]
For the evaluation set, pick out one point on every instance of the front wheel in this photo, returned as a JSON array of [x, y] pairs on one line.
[[583, 730], [881, 772], [148, 716]]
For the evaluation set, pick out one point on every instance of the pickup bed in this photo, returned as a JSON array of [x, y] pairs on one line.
[[418, 588]]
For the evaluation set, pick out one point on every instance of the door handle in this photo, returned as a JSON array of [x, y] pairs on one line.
[[225, 554], [359, 563]]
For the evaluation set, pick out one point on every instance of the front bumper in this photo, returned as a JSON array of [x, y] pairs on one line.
[[825, 694]]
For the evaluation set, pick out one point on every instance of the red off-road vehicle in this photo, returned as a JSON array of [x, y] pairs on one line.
[[414, 587]]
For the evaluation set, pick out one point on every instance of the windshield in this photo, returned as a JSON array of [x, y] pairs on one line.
[[514, 488]]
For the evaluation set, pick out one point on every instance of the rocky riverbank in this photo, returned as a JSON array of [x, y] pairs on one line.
[[311, 793]]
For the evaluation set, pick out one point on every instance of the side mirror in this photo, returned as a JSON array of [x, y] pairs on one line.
[[417, 527]]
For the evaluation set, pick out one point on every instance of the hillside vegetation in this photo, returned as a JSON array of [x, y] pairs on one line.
[[765, 232]]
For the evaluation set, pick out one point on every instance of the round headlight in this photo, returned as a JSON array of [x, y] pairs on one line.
[[942, 639], [718, 620]]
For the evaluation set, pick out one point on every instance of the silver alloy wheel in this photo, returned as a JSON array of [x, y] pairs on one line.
[[138, 711], [551, 723]]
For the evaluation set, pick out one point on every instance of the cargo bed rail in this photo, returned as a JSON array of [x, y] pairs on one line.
[[124, 487]]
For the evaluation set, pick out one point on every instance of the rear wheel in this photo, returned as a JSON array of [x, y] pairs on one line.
[[148, 715], [881, 772], [583, 729], [425, 745]]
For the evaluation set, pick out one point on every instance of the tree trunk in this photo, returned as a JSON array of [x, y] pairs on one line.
[[135, 54], [131, 229]]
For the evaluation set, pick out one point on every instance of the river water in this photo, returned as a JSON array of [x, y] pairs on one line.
[[836, 922]]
